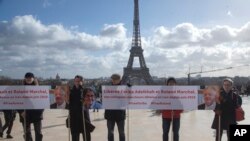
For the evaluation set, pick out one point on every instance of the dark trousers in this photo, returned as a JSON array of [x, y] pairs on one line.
[[120, 126], [9, 117], [76, 136], [166, 127], [219, 135], [38, 131], [1, 129]]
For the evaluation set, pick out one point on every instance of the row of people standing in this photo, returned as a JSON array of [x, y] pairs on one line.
[[226, 104], [80, 100]]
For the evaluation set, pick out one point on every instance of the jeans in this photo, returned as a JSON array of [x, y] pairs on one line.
[[38, 131], [166, 126], [120, 126]]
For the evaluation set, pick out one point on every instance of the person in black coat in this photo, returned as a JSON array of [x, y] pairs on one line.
[[27, 117], [9, 116], [78, 108], [115, 116], [1, 128], [225, 109]]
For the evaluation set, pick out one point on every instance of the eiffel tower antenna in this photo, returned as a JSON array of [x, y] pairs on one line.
[[136, 51]]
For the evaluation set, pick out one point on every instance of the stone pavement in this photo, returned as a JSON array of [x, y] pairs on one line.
[[141, 125]]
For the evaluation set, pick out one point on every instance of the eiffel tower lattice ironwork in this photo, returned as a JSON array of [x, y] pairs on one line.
[[136, 51]]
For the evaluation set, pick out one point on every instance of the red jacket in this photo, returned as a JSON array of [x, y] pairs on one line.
[[171, 113]]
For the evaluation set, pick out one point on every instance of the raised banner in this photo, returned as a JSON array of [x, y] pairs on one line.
[[24, 97], [209, 96], [150, 97]]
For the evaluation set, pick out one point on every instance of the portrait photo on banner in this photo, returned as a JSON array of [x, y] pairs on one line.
[[59, 97], [208, 97]]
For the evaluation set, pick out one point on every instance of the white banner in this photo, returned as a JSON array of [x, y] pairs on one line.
[[24, 97], [150, 97]]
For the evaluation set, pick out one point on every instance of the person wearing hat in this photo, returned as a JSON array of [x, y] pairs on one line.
[[115, 116], [27, 117], [225, 109]]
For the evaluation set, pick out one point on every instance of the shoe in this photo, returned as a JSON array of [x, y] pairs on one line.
[[1, 134], [9, 136]]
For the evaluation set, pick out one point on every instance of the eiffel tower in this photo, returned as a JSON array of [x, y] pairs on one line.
[[136, 50]]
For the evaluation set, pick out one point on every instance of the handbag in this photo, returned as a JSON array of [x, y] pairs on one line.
[[240, 114], [90, 126]]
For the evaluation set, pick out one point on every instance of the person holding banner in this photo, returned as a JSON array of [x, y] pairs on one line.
[[88, 98], [9, 116], [115, 116], [27, 117], [171, 116], [1, 129], [209, 95], [225, 109], [60, 102], [78, 110]]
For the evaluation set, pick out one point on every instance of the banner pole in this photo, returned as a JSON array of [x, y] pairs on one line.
[[69, 126], [68, 101], [219, 128], [171, 125], [84, 125], [24, 124], [128, 125]]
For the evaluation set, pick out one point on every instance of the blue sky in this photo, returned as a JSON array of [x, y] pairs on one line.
[[93, 37], [91, 15]]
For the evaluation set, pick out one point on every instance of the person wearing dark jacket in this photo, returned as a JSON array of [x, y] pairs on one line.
[[27, 117], [78, 108], [9, 116], [87, 100], [225, 109], [1, 128], [115, 116]]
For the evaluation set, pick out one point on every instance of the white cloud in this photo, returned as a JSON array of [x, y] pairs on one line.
[[115, 31], [26, 44], [46, 3], [229, 13]]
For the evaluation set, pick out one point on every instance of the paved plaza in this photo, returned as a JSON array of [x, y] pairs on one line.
[[141, 125]]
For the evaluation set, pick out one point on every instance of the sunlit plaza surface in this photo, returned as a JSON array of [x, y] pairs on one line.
[[141, 125]]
